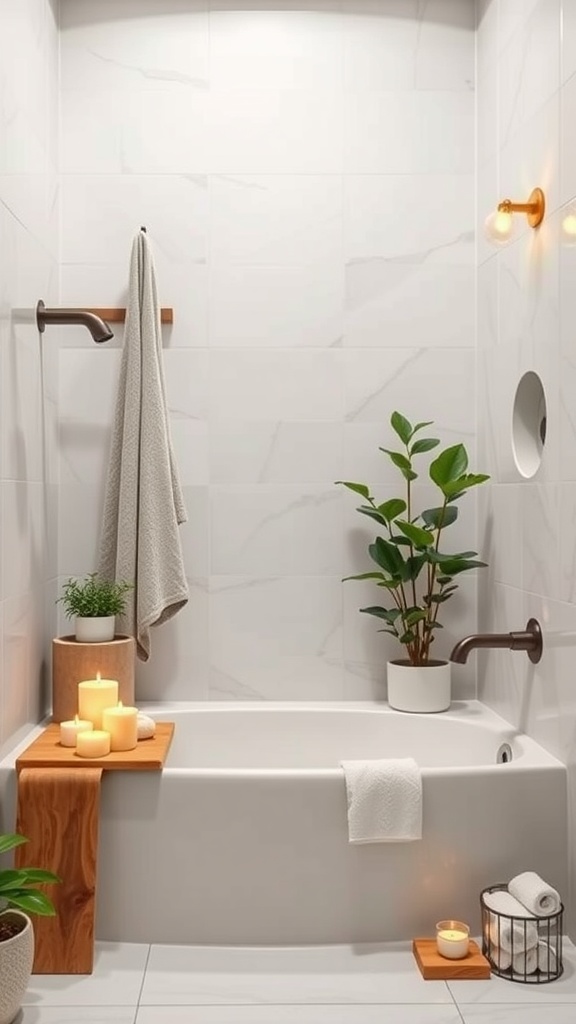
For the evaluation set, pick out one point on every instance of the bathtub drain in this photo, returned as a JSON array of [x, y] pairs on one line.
[[504, 754]]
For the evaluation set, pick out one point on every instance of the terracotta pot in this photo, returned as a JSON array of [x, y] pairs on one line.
[[419, 688], [16, 957]]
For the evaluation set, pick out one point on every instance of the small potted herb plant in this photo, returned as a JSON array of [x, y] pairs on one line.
[[18, 898], [94, 603], [415, 572]]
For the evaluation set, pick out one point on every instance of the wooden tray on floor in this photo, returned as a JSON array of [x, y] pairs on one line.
[[434, 967]]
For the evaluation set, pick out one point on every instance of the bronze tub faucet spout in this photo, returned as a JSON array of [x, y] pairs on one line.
[[529, 640]]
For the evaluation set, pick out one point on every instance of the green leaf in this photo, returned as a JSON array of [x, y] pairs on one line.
[[386, 555], [453, 489], [392, 508], [398, 538], [389, 615], [413, 617], [11, 878], [357, 488], [453, 566], [450, 465], [33, 902], [398, 459], [408, 638], [365, 576], [439, 518], [420, 426], [416, 535], [39, 875], [413, 566], [372, 514], [438, 598], [401, 426], [425, 444], [9, 842]]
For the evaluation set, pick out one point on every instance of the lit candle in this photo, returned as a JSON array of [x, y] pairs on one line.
[[94, 695], [69, 730], [452, 938], [122, 724], [93, 744]]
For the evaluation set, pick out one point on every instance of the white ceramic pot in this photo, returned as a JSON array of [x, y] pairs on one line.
[[95, 630], [16, 958], [419, 688]]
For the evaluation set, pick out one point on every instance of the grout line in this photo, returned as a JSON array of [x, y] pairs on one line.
[[143, 980]]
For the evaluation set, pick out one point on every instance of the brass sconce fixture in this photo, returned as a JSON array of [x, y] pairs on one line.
[[500, 225]]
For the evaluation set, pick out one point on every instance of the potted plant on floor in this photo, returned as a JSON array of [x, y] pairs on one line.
[[18, 898], [94, 603], [413, 569]]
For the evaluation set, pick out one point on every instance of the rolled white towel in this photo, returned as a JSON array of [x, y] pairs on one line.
[[525, 963], [501, 958], [517, 935], [535, 894], [146, 726], [547, 960]]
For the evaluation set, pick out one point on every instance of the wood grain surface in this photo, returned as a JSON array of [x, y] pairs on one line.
[[46, 751], [58, 810], [434, 967]]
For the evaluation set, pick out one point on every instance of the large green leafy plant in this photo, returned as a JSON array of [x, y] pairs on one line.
[[416, 573], [17, 885]]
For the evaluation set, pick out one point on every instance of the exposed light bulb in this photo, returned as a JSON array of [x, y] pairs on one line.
[[568, 229], [499, 227]]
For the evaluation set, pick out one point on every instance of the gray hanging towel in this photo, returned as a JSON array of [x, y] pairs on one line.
[[143, 506]]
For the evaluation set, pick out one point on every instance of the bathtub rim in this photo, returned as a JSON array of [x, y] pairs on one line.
[[532, 755]]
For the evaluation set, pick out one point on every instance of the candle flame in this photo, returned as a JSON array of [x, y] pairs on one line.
[[120, 705], [98, 678], [76, 719]]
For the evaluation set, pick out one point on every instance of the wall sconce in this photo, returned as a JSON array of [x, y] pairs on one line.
[[500, 226]]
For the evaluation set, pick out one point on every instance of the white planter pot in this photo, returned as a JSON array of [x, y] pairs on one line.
[[419, 688], [95, 630], [16, 957]]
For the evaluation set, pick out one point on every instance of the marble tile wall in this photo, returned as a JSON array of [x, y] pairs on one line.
[[306, 175], [526, 313], [29, 252]]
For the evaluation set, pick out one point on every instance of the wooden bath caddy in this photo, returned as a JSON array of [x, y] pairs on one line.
[[47, 752], [58, 810], [434, 967]]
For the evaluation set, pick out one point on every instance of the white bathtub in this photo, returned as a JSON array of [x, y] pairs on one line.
[[243, 838]]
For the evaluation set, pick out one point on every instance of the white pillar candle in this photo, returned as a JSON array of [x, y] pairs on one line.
[[93, 744], [122, 724], [69, 730], [452, 939], [93, 696]]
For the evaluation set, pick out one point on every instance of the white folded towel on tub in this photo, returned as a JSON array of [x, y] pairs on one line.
[[384, 800], [516, 935], [522, 963], [535, 894]]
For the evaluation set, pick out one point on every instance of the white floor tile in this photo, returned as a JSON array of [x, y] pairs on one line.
[[188, 975], [499, 991], [116, 980], [399, 1014], [71, 1015], [513, 1013]]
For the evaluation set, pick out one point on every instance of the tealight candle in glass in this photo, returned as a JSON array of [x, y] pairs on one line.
[[452, 939]]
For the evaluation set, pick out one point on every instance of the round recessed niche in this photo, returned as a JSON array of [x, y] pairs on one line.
[[529, 424]]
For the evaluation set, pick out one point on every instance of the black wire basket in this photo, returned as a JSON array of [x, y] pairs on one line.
[[523, 949]]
